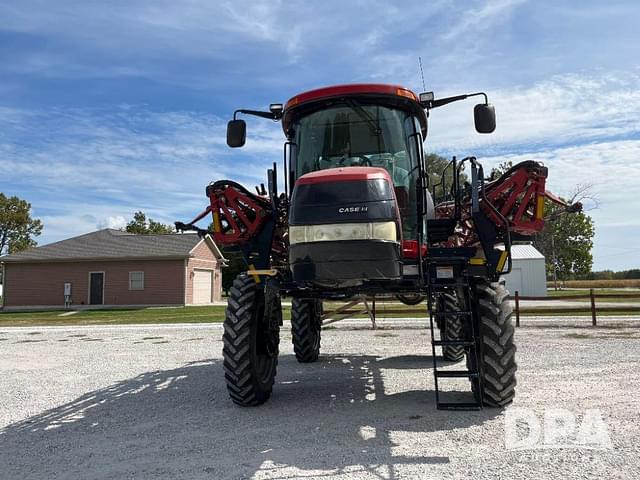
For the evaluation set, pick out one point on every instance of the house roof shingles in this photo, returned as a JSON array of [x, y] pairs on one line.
[[109, 244]]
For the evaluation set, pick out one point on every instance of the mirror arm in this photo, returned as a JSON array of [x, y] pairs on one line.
[[444, 101], [258, 113]]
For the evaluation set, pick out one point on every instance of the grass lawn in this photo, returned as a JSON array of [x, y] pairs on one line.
[[583, 291], [626, 295], [620, 283], [115, 316], [216, 314]]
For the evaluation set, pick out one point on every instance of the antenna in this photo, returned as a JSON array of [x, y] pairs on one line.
[[421, 73]]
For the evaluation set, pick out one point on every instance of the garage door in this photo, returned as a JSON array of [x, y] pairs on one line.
[[202, 283]]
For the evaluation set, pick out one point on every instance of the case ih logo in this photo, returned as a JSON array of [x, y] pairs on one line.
[[352, 209]]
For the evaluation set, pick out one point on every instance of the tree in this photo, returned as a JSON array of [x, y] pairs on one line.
[[570, 237], [500, 169], [436, 165], [17, 228], [143, 226]]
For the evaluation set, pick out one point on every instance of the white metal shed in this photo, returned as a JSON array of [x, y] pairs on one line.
[[528, 275]]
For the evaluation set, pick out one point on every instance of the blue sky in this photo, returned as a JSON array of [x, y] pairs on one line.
[[111, 107]]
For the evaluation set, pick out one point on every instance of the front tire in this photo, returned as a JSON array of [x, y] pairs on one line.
[[306, 325], [251, 337], [497, 348]]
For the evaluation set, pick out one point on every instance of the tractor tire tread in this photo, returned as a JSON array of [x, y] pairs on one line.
[[497, 347], [305, 338], [238, 364]]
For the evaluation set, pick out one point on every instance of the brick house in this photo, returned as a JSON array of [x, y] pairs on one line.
[[114, 268]]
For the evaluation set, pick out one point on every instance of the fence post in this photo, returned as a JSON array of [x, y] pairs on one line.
[[517, 309], [373, 304], [593, 307]]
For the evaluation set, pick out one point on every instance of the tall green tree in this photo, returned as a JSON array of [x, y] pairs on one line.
[[567, 238], [17, 228], [436, 165], [146, 226]]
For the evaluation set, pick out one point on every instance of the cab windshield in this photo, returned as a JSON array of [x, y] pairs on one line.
[[359, 134]]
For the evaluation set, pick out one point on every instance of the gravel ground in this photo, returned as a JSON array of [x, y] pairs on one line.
[[150, 402]]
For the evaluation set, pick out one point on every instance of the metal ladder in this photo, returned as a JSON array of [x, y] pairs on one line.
[[459, 281]]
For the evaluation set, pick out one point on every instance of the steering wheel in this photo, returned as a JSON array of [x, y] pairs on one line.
[[364, 161]]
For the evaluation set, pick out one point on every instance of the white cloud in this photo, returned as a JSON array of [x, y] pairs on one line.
[[560, 110], [603, 165], [79, 166], [206, 46], [116, 222], [483, 18], [138, 37]]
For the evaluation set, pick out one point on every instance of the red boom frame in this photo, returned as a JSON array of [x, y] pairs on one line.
[[517, 197], [238, 215]]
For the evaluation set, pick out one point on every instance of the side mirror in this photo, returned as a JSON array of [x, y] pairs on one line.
[[236, 133], [484, 116]]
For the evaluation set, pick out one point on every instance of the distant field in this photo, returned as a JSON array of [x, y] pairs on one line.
[[634, 283]]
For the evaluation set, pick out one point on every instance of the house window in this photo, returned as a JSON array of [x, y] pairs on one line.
[[136, 280]]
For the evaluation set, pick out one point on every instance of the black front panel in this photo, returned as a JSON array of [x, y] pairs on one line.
[[342, 202], [345, 260]]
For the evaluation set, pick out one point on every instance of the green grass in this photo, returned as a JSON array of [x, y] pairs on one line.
[[619, 283], [576, 291], [624, 295], [116, 316], [216, 314]]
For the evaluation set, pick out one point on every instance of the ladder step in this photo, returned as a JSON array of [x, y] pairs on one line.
[[454, 343], [456, 374], [436, 286]]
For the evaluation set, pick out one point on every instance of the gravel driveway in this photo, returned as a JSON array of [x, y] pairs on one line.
[[150, 402]]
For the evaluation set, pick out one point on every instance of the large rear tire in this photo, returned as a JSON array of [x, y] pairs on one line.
[[251, 337], [451, 326], [306, 325], [497, 348]]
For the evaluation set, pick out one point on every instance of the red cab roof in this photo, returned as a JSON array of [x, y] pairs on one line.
[[397, 91], [352, 89]]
